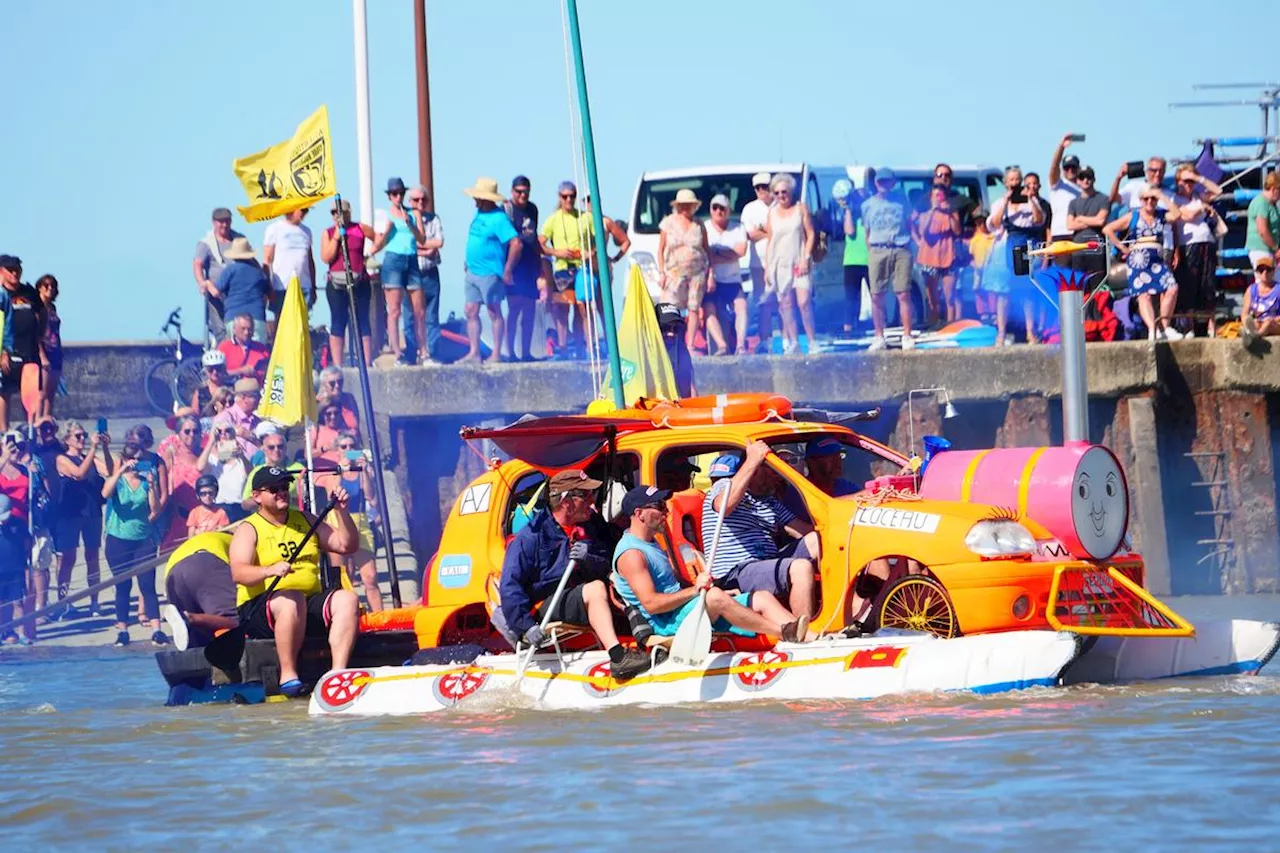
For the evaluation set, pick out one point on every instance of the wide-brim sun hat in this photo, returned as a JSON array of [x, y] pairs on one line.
[[485, 189], [686, 196], [240, 250]]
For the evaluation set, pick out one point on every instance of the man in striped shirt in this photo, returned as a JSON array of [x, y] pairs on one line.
[[747, 557]]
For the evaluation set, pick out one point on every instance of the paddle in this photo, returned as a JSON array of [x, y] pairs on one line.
[[224, 650], [692, 644], [546, 616]]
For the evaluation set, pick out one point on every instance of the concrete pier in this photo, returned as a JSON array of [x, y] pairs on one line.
[[1193, 423]]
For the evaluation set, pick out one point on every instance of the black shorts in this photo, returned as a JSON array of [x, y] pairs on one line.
[[571, 608], [260, 625], [13, 587]]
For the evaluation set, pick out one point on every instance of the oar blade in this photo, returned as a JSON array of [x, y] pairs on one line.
[[692, 644]]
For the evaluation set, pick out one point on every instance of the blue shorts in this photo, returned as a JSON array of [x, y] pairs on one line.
[[400, 271], [580, 290], [726, 294], [666, 624], [488, 289]]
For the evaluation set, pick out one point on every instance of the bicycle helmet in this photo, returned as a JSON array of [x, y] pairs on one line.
[[213, 358], [206, 481]]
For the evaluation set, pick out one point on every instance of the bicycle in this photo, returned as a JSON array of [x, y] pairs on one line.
[[171, 382]]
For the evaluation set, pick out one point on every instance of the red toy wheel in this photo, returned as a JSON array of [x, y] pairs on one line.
[[339, 689]]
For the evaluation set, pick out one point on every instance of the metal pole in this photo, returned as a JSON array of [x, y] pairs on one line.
[[364, 146], [597, 208], [1075, 377], [384, 513], [425, 172]]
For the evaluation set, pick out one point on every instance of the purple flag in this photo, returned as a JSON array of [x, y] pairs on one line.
[[1207, 166]]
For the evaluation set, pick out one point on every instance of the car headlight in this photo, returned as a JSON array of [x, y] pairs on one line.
[[999, 539]]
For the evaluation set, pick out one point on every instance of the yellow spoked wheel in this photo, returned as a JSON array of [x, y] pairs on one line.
[[919, 603]]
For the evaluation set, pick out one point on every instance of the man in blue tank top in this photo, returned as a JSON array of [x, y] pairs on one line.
[[645, 578]]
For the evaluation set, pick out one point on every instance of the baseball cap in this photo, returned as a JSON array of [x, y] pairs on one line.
[[668, 315], [270, 475], [725, 465], [760, 178], [520, 181], [10, 262], [1086, 172], [246, 385], [721, 200], [642, 496], [568, 481], [676, 465], [885, 175], [825, 446], [221, 214], [1071, 161]]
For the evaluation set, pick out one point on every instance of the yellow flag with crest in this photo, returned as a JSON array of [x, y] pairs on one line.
[[291, 175], [288, 397], [646, 369]]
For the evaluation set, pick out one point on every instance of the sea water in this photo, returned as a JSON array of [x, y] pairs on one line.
[[91, 760]]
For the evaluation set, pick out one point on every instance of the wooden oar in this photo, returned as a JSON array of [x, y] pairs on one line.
[[692, 644], [225, 649]]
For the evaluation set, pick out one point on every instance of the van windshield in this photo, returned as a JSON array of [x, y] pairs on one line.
[[917, 189], [653, 201]]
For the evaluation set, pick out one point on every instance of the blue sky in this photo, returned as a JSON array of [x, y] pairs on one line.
[[123, 119]]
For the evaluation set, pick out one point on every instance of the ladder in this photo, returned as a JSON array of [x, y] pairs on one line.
[[1220, 549]]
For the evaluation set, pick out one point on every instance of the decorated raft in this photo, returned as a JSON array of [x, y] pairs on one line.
[[891, 662]]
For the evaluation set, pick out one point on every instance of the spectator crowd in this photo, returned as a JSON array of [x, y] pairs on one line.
[[66, 490]]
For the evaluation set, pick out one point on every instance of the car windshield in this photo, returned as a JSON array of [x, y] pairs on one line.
[[857, 466], [917, 189], [655, 196]]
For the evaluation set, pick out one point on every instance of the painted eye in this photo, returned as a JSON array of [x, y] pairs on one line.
[[1111, 489], [1083, 491]]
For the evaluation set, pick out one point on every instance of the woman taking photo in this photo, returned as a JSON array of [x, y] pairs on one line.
[[1195, 264], [1149, 277], [344, 274], [683, 254], [133, 504], [225, 457], [82, 472], [181, 454], [354, 477], [1015, 220], [786, 265], [937, 230]]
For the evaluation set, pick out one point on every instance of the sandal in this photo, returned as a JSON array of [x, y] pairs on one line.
[[293, 688]]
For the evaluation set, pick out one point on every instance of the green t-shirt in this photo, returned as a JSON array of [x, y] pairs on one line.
[[562, 230], [1261, 207], [855, 250]]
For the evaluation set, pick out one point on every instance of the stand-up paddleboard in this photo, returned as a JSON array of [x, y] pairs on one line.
[[864, 668]]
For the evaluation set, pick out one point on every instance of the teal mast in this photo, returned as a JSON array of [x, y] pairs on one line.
[[597, 208]]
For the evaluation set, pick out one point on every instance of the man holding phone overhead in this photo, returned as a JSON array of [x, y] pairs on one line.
[[1064, 186]]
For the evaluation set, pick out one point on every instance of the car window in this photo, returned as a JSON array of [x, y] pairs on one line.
[[653, 199], [858, 466], [994, 188], [527, 497]]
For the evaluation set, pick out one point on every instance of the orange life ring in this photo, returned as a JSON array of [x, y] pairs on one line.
[[722, 409]]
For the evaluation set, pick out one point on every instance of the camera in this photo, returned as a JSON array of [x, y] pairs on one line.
[[1019, 195], [1135, 169]]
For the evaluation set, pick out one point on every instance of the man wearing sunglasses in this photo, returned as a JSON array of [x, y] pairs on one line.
[[538, 557], [273, 454], [269, 545]]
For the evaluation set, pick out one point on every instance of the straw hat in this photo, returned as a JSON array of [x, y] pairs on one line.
[[686, 196], [240, 250], [486, 189]]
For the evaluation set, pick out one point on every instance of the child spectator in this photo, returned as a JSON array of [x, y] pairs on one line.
[[979, 250], [672, 325], [14, 552], [205, 517]]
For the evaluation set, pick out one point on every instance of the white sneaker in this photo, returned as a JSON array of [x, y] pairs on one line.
[[908, 342], [1172, 334], [877, 344], [177, 626]]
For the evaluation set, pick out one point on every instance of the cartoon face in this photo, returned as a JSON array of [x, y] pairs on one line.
[[1099, 503]]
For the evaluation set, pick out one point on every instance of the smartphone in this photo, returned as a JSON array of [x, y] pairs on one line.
[[354, 455], [1135, 168], [1076, 137], [102, 426], [1019, 196]]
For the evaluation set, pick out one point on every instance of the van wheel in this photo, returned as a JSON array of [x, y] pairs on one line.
[[919, 603]]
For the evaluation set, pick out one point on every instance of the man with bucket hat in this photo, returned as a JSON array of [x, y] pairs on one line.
[[493, 250]]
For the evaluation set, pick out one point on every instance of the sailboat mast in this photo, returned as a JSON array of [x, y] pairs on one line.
[[597, 208]]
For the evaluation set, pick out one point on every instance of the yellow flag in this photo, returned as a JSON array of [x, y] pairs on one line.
[[646, 370], [288, 397], [294, 174]]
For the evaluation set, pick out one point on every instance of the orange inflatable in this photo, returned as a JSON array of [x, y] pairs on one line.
[[721, 409]]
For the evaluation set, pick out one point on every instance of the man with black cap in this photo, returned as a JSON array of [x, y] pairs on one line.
[[672, 325], [24, 322], [644, 578], [540, 555], [208, 264], [269, 545], [523, 294], [1064, 188]]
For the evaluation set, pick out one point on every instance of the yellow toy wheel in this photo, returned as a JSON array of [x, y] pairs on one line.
[[919, 603]]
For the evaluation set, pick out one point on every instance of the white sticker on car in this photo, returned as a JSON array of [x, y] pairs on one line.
[[896, 519], [475, 499]]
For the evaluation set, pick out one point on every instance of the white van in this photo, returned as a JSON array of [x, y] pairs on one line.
[[656, 190]]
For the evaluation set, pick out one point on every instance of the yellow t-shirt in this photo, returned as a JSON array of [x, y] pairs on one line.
[[216, 543], [561, 231], [280, 542], [980, 246]]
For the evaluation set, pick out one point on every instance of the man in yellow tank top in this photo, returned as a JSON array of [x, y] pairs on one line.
[[265, 546]]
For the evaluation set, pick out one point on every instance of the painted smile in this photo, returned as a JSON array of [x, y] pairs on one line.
[[1098, 515]]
